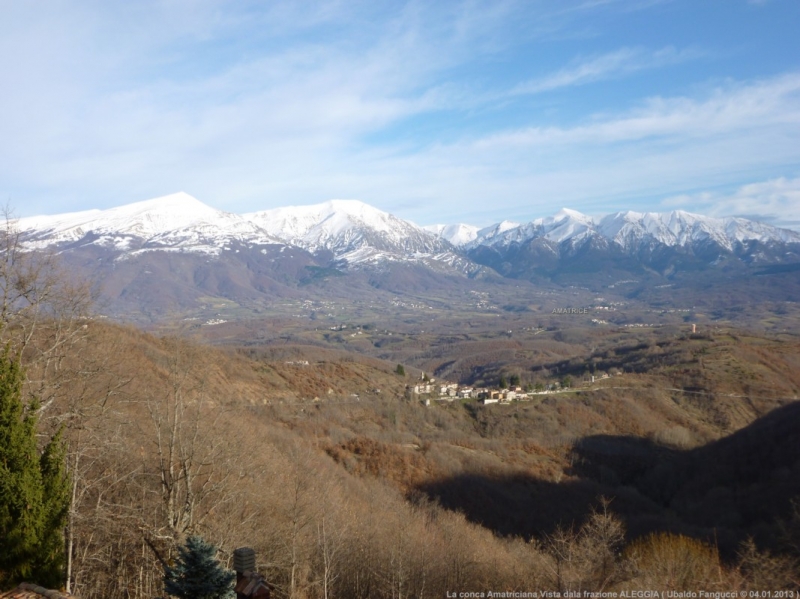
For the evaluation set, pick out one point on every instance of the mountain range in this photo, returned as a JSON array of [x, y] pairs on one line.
[[275, 251]]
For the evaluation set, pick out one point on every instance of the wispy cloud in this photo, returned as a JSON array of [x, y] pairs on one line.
[[776, 201], [402, 104], [606, 66], [735, 107], [627, 160]]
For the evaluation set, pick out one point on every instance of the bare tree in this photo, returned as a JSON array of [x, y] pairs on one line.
[[43, 311], [190, 455], [329, 547], [90, 416], [587, 559]]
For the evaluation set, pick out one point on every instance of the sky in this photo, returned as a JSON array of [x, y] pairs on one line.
[[438, 112]]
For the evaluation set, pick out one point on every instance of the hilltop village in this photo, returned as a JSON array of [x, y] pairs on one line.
[[430, 389]]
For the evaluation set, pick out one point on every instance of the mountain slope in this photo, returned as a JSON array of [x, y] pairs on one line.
[[274, 253], [164, 255]]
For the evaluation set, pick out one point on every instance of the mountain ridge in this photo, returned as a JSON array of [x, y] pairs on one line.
[[177, 243], [675, 228], [342, 226]]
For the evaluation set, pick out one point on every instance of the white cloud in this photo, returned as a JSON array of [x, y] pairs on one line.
[[776, 201], [745, 107], [249, 107], [618, 161]]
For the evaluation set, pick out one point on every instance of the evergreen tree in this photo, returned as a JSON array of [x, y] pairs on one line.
[[197, 574], [56, 491], [34, 490], [400, 370]]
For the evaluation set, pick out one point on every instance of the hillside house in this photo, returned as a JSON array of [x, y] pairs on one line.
[[249, 583], [448, 389], [422, 389]]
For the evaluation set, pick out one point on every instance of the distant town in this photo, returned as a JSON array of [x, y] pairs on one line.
[[431, 389]]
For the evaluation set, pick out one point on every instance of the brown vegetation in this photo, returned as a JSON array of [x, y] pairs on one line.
[[339, 496], [346, 488]]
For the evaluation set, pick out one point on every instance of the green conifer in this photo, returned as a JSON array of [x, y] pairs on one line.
[[34, 496], [197, 574]]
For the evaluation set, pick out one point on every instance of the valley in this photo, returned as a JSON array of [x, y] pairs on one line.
[[400, 300], [689, 435], [425, 418]]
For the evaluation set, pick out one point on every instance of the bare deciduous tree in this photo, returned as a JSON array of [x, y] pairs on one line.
[[191, 465], [43, 312]]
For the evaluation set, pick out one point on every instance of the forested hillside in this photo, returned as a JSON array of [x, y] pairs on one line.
[[377, 493], [346, 485]]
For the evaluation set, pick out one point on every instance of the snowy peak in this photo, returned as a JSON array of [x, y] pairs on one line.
[[573, 215], [357, 233], [629, 230], [344, 226], [174, 220], [147, 218], [680, 228], [458, 235], [332, 217], [566, 224], [353, 231]]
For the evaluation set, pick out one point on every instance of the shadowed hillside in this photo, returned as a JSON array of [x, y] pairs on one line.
[[741, 485]]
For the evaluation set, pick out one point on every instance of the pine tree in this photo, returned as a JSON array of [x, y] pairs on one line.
[[34, 495], [197, 574]]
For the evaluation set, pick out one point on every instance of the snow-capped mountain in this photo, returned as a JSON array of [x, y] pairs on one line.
[[458, 235], [176, 221], [679, 228], [177, 251], [352, 230], [627, 242], [357, 233], [629, 230], [565, 225]]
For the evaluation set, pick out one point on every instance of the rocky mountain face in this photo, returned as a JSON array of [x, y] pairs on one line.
[[175, 250]]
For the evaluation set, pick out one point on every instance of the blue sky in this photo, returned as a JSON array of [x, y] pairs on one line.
[[438, 112]]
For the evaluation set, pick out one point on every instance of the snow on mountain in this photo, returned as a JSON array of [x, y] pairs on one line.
[[458, 235], [357, 233], [679, 228], [354, 232], [628, 229], [344, 226], [565, 225], [176, 220], [631, 229], [495, 232]]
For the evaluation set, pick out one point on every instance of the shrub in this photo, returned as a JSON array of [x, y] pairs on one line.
[[673, 562]]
